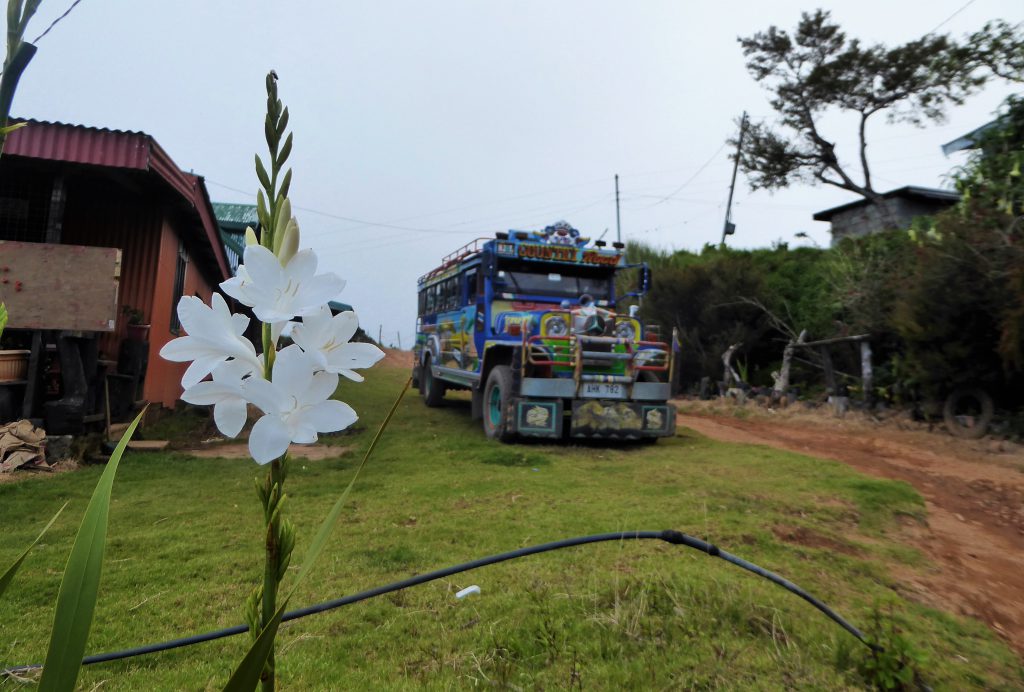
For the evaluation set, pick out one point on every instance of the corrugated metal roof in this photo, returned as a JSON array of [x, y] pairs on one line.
[[56, 141], [236, 216], [949, 196], [969, 140], [94, 146]]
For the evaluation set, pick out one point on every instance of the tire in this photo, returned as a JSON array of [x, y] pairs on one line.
[[432, 388], [952, 413], [497, 404]]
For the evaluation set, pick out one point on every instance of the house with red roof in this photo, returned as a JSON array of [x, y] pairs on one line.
[[65, 184]]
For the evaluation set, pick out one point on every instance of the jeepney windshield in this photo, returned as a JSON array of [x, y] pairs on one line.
[[554, 283]]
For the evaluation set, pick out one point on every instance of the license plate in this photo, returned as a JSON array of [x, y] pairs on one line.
[[602, 390]]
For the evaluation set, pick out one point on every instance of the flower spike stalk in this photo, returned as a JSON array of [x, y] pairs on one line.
[[293, 387]]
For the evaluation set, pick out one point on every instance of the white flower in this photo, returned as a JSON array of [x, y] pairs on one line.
[[277, 293], [297, 405], [226, 393], [214, 335], [326, 339]]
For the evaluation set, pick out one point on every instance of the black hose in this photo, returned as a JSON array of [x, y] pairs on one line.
[[669, 536]]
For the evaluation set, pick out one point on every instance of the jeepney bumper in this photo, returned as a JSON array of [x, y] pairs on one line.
[[594, 418], [629, 420]]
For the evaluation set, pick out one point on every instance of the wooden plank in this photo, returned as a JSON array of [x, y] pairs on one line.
[[148, 445], [834, 340], [65, 287]]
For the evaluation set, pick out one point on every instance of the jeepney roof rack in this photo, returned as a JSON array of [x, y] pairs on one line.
[[450, 259]]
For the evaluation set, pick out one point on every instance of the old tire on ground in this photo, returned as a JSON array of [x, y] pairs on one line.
[[497, 399], [968, 412], [432, 388]]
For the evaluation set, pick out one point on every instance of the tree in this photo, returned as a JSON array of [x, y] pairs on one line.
[[818, 69]]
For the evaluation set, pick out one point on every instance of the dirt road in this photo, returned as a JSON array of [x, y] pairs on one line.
[[974, 494]]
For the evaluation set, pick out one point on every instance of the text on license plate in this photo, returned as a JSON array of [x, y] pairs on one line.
[[603, 390]]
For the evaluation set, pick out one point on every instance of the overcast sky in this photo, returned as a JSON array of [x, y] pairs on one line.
[[420, 126]]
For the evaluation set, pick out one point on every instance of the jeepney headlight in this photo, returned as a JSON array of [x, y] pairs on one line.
[[555, 325], [627, 329]]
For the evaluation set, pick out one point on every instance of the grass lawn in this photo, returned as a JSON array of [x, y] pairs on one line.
[[184, 552]]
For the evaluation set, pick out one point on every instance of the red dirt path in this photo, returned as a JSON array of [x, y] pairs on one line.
[[973, 491]]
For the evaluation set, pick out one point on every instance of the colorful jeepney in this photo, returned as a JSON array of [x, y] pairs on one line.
[[526, 321]]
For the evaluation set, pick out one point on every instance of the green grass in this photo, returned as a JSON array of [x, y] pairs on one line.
[[184, 551]]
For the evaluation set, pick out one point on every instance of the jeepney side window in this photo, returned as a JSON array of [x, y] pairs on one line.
[[430, 299], [421, 302], [451, 293], [471, 280]]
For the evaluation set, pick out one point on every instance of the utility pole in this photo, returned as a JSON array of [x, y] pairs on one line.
[[729, 227], [618, 220]]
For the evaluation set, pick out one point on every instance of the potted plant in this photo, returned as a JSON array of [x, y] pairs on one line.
[[13, 362], [136, 328]]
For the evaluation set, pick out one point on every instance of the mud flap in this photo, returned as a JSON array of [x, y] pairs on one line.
[[538, 418], [622, 419]]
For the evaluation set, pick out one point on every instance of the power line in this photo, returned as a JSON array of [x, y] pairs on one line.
[[946, 20], [392, 224], [692, 177], [57, 20], [395, 223], [364, 222]]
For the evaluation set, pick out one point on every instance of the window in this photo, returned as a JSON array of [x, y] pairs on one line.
[[451, 293], [179, 287], [471, 287], [24, 205], [557, 285]]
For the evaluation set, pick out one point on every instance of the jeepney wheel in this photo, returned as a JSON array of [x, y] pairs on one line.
[[497, 394], [431, 387]]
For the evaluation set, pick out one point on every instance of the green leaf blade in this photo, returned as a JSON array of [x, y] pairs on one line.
[[79, 589], [8, 576], [247, 675]]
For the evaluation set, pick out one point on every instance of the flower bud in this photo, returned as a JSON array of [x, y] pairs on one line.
[[289, 242]]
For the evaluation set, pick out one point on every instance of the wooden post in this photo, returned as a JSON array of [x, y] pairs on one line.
[[830, 374], [866, 372], [673, 367], [34, 363], [730, 373], [782, 380]]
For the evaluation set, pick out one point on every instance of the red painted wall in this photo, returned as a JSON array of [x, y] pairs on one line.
[[163, 379], [146, 228]]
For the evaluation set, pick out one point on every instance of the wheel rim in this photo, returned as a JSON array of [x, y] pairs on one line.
[[494, 407]]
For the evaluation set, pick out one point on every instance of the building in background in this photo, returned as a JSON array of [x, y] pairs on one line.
[[86, 186], [233, 219], [900, 206]]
